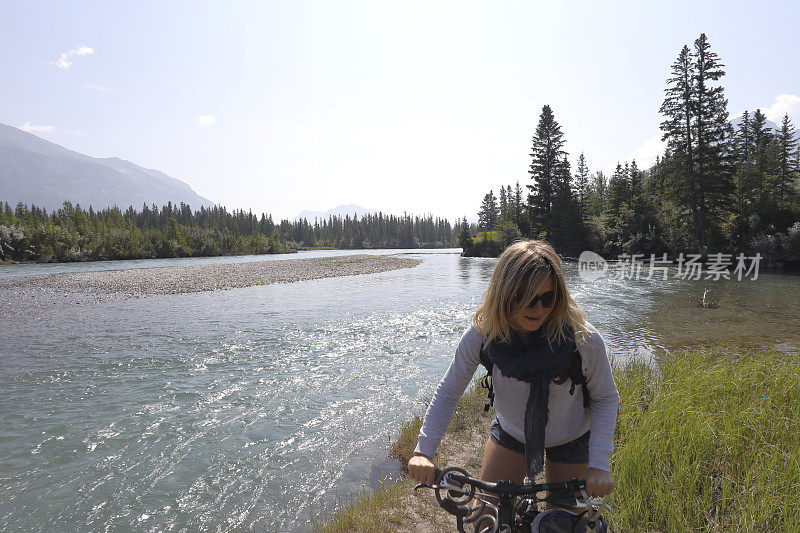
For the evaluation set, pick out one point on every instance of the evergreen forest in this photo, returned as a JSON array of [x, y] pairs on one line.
[[716, 188], [74, 234]]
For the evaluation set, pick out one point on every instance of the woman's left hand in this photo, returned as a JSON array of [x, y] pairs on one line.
[[598, 482]]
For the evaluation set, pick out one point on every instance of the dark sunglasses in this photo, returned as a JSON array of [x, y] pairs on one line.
[[546, 298]]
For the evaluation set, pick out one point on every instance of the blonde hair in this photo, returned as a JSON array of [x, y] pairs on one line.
[[519, 274]]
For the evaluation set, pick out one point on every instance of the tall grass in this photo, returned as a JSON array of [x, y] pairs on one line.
[[375, 511], [709, 440]]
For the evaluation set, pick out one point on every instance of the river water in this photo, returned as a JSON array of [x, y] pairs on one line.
[[258, 408]]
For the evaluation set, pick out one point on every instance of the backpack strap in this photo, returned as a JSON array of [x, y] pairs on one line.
[[577, 377], [486, 382]]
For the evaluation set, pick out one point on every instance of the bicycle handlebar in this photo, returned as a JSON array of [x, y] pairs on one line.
[[507, 487], [460, 489]]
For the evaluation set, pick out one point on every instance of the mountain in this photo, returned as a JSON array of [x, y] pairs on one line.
[[340, 211], [36, 171]]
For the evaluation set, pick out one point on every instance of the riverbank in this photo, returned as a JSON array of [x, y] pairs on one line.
[[397, 507], [18, 293], [707, 439]]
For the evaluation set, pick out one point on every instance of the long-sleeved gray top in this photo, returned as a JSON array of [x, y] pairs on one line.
[[567, 418]]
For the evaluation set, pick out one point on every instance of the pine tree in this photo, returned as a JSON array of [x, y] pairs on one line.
[[464, 237], [636, 188], [786, 144], [626, 176], [503, 202], [713, 132], [617, 192], [582, 185], [762, 136], [678, 131], [598, 193], [519, 217], [655, 183], [697, 134], [795, 172], [567, 231], [488, 214], [546, 169], [744, 139], [638, 198], [748, 182], [564, 174]]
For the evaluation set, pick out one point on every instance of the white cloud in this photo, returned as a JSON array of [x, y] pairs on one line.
[[37, 128], [99, 88], [783, 104], [645, 155], [65, 61], [206, 120]]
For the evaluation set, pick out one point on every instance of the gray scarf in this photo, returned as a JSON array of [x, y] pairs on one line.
[[531, 359]]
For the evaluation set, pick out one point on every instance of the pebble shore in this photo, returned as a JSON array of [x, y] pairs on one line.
[[17, 294]]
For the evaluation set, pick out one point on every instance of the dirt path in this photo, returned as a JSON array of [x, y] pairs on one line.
[[419, 510]]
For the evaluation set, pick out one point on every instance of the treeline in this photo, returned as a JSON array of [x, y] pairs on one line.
[[715, 189], [371, 231], [74, 234]]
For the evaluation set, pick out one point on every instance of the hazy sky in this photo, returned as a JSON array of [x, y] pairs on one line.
[[400, 106]]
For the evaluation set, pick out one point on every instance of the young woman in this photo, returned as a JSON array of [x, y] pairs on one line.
[[530, 326]]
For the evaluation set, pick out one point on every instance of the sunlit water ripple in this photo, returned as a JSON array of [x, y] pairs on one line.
[[253, 408]]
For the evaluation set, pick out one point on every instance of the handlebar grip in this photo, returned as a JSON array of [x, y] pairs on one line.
[[437, 474]]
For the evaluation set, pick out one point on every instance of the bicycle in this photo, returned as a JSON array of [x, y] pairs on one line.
[[506, 517]]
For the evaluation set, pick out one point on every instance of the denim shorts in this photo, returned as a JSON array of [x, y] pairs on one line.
[[573, 452]]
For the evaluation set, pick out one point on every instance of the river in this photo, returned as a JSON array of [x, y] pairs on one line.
[[258, 408]]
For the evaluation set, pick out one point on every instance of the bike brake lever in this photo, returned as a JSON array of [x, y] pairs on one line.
[[445, 486], [594, 508], [601, 503]]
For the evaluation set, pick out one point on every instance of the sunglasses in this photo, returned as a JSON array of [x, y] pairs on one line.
[[546, 298]]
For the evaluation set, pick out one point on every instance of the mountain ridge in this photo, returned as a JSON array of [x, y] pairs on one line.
[[36, 171]]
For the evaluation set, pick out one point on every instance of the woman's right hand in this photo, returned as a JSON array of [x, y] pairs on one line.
[[421, 469]]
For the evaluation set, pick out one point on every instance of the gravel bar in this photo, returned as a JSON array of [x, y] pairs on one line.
[[89, 287]]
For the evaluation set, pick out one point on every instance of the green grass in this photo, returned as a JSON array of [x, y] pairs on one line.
[[369, 512], [403, 447], [709, 440]]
